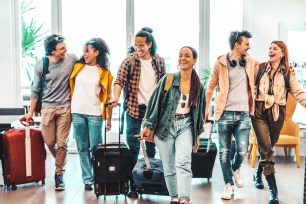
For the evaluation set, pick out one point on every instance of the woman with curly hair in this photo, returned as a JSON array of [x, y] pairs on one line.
[[90, 84]]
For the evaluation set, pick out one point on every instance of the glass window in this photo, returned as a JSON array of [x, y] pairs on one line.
[[175, 23], [225, 16], [96, 18], [33, 31]]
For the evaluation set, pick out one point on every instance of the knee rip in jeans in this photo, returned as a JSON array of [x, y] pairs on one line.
[[224, 153]]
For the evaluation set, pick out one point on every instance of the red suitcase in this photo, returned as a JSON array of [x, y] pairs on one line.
[[24, 156]]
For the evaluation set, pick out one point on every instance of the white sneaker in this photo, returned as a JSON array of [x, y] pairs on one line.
[[228, 192], [238, 179]]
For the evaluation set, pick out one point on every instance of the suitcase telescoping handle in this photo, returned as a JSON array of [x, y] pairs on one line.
[[28, 147], [105, 126], [24, 123], [145, 155], [210, 131]]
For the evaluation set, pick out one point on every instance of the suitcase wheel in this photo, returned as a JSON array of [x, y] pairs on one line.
[[14, 187], [43, 182], [97, 195]]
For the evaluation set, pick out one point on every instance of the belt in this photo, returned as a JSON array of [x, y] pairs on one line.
[[181, 116]]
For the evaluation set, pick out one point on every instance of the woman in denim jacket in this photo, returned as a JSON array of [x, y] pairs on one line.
[[177, 118]]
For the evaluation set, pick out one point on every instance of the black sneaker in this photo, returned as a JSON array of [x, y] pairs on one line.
[[59, 183], [88, 187], [132, 194]]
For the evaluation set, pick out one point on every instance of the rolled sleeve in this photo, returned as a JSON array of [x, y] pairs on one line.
[[122, 73]]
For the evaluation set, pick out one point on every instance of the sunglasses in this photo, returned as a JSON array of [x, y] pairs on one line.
[[56, 39], [237, 37], [184, 97]]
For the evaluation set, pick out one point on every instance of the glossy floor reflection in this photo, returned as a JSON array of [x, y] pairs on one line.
[[290, 181]]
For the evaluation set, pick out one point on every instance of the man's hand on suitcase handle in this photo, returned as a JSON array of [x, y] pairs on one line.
[[27, 119], [26, 122], [113, 103]]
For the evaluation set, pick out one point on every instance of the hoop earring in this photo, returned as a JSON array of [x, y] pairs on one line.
[[194, 66], [178, 67]]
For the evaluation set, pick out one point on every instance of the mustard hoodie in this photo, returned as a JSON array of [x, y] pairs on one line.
[[106, 80]]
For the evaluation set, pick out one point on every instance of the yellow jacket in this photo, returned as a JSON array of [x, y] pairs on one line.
[[106, 80]]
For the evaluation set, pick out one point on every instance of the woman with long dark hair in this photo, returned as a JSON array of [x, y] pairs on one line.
[[90, 84], [177, 118]]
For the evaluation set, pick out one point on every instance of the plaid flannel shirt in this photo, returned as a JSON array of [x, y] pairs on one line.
[[132, 88]]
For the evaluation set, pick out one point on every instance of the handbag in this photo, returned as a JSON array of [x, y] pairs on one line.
[[45, 71], [150, 137]]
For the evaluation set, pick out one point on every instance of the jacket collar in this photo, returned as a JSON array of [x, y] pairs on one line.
[[281, 67], [176, 79]]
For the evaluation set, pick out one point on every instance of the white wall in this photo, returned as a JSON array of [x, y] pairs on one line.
[[9, 85], [265, 19]]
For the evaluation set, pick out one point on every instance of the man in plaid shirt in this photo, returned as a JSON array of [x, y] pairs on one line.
[[138, 73]]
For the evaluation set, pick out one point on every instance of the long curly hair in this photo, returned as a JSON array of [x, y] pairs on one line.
[[103, 56]]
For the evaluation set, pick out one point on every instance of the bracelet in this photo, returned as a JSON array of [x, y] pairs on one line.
[[32, 108]]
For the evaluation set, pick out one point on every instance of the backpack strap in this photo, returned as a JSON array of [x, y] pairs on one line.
[[45, 65], [168, 82], [132, 65], [287, 82], [260, 73]]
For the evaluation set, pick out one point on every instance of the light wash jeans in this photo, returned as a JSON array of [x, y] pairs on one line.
[[87, 131], [175, 153], [235, 123]]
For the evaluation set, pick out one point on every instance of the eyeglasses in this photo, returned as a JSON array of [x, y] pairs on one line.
[[184, 97]]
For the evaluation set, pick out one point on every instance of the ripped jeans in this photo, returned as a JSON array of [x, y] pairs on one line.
[[238, 124]]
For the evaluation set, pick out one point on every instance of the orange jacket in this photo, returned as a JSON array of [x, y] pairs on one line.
[[219, 77]]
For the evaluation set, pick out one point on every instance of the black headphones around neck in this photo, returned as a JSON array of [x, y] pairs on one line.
[[233, 63]]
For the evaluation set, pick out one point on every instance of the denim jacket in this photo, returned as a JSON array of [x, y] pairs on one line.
[[161, 124]]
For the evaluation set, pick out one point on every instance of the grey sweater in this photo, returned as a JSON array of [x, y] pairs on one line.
[[56, 91]]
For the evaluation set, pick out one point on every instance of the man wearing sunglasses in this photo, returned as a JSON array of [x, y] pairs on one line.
[[55, 113], [233, 75]]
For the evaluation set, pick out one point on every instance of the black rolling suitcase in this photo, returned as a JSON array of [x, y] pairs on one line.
[[148, 175], [111, 167], [203, 161]]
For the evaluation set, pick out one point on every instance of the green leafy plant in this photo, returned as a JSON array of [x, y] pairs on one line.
[[32, 37], [205, 76]]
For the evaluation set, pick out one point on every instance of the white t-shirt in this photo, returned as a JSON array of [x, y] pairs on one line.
[[86, 95], [182, 106], [147, 81]]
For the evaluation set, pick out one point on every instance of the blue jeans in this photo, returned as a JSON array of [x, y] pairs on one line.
[[175, 153], [236, 123], [87, 131], [133, 127]]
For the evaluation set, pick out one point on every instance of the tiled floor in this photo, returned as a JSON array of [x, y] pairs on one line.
[[290, 181]]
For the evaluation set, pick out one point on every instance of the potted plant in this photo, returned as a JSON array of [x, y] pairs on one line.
[[32, 37]]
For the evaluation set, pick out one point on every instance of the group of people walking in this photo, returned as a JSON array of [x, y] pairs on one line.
[[74, 90]]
